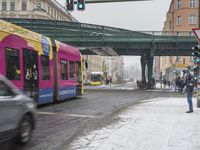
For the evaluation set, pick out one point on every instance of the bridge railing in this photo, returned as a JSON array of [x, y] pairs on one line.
[[169, 33]]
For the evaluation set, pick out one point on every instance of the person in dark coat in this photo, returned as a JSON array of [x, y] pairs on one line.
[[165, 82], [177, 84], [153, 81], [189, 89], [181, 85]]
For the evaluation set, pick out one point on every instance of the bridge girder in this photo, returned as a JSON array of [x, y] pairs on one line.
[[95, 39]]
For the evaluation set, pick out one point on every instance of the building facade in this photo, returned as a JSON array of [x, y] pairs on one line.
[[38, 9], [183, 15], [112, 67], [115, 70]]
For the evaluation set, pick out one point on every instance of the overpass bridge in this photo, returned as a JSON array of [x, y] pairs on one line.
[[104, 40]]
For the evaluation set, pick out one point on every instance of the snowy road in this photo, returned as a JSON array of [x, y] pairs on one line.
[[156, 124]]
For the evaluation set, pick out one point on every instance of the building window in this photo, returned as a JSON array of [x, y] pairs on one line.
[[192, 3], [12, 6], [191, 58], [183, 60], [4, 5], [45, 67], [179, 20], [39, 6], [179, 4], [24, 6], [192, 19], [52, 12], [12, 64], [177, 58]]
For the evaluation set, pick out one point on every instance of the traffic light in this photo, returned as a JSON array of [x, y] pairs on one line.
[[196, 60], [70, 5], [80, 4], [196, 54]]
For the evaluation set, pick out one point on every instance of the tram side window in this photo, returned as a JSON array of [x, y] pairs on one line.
[[12, 64], [78, 72], [63, 70], [72, 70], [45, 67]]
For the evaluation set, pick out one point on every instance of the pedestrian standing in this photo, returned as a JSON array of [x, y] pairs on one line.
[[110, 81], [181, 85], [169, 84], [189, 89], [177, 87], [153, 81], [165, 82]]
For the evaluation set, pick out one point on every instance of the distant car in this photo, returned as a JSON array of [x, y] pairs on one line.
[[17, 113]]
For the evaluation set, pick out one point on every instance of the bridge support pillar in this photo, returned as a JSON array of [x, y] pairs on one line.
[[143, 67], [150, 68]]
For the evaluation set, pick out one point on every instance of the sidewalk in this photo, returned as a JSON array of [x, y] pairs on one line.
[[156, 124]]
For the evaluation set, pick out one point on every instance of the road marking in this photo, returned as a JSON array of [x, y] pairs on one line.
[[146, 101], [46, 113], [71, 115], [78, 115]]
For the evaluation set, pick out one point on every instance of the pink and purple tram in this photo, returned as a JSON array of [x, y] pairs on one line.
[[42, 68]]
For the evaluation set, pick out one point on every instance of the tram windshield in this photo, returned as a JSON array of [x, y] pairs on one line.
[[96, 77]]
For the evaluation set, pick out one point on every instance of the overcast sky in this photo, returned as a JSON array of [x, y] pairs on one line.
[[139, 16]]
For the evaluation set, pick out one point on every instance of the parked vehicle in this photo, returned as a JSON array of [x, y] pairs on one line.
[[41, 67], [18, 113], [97, 78]]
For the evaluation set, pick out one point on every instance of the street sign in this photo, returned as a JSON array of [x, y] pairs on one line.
[[197, 33]]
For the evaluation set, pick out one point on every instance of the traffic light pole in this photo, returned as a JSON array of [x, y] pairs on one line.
[[198, 64], [198, 92]]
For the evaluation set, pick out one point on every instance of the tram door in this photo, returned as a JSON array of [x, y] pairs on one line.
[[30, 58]]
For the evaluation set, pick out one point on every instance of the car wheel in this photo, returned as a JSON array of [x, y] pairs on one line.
[[25, 130]]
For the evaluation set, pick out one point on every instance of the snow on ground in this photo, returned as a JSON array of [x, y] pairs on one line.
[[158, 124], [126, 86]]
